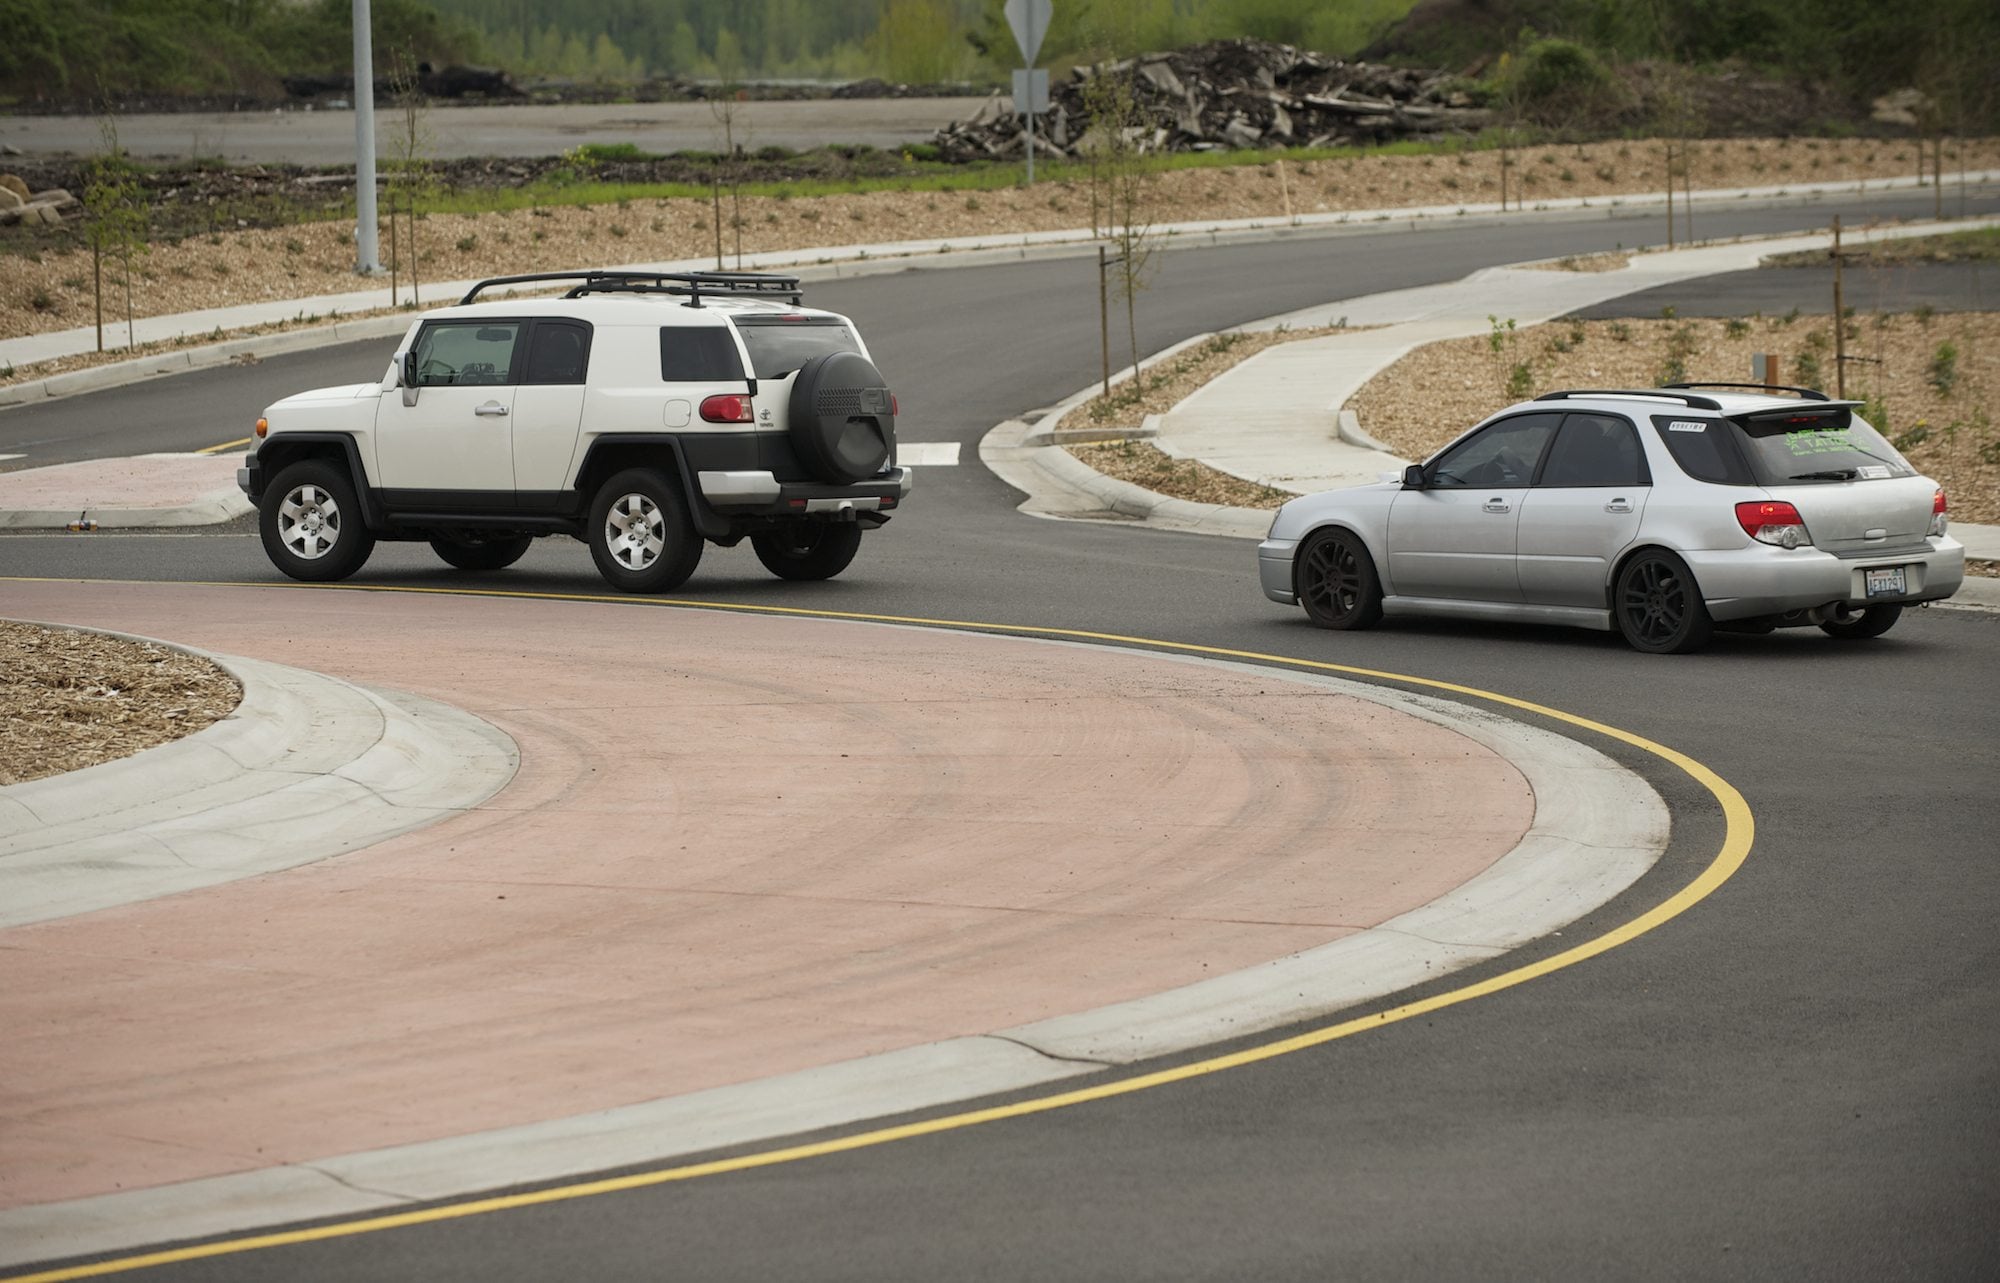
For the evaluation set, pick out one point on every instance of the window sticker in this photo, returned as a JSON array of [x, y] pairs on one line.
[[1822, 441], [1872, 472], [1684, 425]]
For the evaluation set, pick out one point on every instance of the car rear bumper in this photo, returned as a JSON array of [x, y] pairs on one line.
[[758, 493], [1744, 582], [1274, 569]]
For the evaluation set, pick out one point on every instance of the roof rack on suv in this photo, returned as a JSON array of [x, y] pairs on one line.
[[691, 285], [1810, 394], [1688, 399]]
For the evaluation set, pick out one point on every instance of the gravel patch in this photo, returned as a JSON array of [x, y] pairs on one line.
[[74, 699]]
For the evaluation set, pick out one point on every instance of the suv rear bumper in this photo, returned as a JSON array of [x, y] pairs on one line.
[[759, 493]]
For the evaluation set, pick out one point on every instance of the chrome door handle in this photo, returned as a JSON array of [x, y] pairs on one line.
[[491, 409], [1618, 505], [1496, 505]]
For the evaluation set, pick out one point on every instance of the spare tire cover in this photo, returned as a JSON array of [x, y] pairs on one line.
[[841, 418]]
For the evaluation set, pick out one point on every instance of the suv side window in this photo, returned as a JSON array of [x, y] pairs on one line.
[[1702, 448], [1500, 454], [1595, 450], [558, 353], [454, 353], [698, 354]]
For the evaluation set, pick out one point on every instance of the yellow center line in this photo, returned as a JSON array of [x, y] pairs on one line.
[[1739, 833], [226, 445]]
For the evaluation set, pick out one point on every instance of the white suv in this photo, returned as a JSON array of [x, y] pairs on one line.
[[644, 413]]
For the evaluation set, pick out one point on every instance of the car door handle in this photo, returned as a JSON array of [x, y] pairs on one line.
[[491, 409], [1618, 505], [1496, 505]]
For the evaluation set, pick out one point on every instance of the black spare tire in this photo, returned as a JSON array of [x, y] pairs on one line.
[[843, 422]]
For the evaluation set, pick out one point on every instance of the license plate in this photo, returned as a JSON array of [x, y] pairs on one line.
[[1887, 581]]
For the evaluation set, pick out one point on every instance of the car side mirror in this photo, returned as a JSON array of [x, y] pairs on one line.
[[406, 376], [1414, 479]]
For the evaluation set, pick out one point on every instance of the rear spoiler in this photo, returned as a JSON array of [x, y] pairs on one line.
[[1817, 414]]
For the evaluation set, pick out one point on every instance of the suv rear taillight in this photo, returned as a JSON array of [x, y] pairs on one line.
[[1939, 521], [730, 407], [1773, 521]]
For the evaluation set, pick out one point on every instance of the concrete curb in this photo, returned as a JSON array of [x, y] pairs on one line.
[[1597, 828], [306, 767]]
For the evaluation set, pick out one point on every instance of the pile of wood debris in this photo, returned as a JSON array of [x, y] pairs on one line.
[[1233, 95]]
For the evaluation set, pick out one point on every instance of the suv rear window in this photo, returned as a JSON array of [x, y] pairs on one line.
[[779, 346], [1817, 445], [698, 354]]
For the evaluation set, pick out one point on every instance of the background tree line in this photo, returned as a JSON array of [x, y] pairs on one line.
[[81, 50]]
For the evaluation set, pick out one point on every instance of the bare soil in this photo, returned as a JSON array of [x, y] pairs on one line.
[[51, 288], [74, 699]]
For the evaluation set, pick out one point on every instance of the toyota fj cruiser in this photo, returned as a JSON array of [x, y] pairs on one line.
[[644, 413]]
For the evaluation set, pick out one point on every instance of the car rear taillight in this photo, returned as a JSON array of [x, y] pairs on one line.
[[730, 407], [1939, 522], [896, 408], [1773, 521]]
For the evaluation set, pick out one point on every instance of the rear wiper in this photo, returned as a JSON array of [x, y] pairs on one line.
[[1831, 474]]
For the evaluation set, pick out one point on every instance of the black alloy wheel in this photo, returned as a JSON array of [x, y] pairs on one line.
[[1336, 581], [1659, 606]]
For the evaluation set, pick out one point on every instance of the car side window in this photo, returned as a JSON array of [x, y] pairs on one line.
[[1500, 454], [455, 353], [1702, 448], [558, 353], [698, 354], [1595, 450]]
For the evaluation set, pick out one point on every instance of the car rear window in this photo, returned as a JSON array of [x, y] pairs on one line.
[[1830, 444], [1703, 449], [779, 345]]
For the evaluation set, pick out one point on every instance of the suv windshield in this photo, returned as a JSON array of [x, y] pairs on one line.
[[1818, 446], [779, 346]]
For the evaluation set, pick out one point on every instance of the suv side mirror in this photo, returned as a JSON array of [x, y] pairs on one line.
[[406, 376], [1414, 479]]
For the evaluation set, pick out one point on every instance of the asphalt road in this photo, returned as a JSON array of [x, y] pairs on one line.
[[1798, 1078], [327, 137]]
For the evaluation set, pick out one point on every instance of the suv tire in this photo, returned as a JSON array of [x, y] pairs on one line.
[[640, 534], [310, 522], [471, 552], [841, 418], [807, 549]]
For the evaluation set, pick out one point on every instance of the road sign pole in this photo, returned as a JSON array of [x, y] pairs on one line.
[[1029, 20], [367, 252]]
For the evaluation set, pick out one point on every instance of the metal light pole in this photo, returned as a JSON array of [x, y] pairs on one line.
[[367, 253]]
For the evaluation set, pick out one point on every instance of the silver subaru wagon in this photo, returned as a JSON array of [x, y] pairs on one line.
[[1664, 513]]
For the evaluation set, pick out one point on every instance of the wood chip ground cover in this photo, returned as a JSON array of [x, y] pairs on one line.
[[74, 699]]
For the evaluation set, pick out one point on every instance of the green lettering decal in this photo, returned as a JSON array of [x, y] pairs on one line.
[[1832, 441]]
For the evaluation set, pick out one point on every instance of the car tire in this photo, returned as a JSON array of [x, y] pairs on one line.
[[1658, 605], [1859, 625], [640, 534], [470, 552], [841, 418], [1336, 581], [310, 522], [808, 549]]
